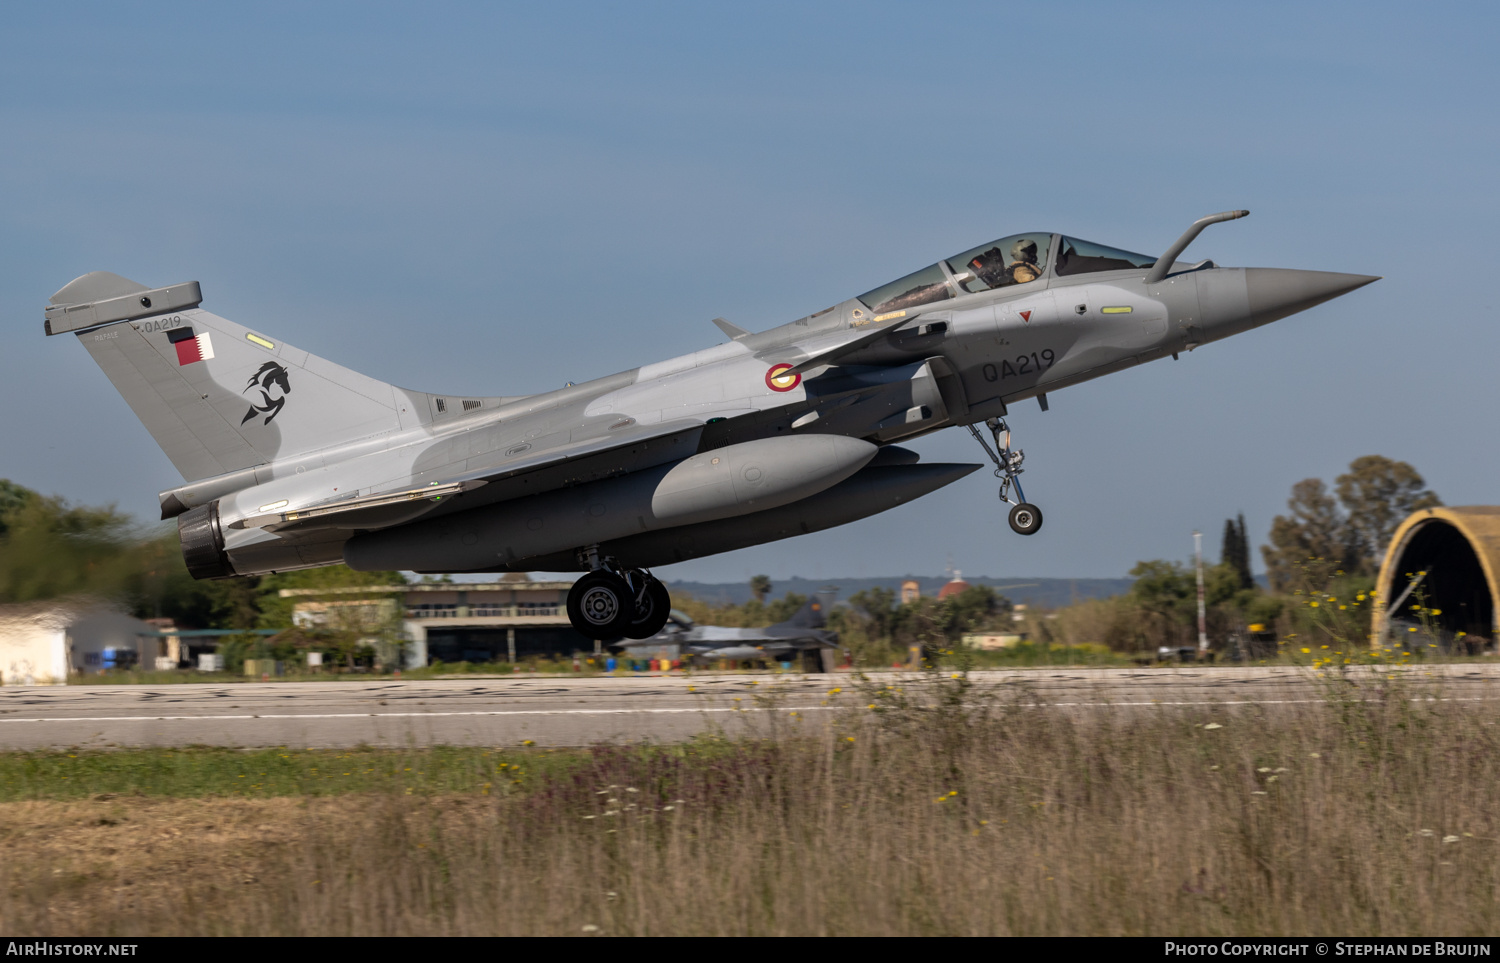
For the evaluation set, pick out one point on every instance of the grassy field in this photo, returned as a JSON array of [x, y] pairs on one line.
[[268, 773], [1374, 811]]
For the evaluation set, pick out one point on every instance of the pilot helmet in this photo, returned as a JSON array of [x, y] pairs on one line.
[[1024, 250]]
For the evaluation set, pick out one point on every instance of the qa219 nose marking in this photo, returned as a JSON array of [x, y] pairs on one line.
[[1034, 363]]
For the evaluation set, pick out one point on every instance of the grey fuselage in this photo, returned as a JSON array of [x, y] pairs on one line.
[[767, 436], [954, 362]]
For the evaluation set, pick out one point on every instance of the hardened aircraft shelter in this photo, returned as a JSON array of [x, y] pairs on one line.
[[1445, 560]]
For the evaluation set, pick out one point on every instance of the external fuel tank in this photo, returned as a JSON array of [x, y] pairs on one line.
[[741, 479]]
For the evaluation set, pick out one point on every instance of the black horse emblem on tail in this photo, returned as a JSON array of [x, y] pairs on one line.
[[271, 375]]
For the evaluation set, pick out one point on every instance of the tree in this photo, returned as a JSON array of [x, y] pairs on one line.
[[352, 625], [1236, 551], [159, 586], [51, 548], [12, 499], [976, 607], [1312, 535], [877, 606], [275, 612], [1378, 494], [1324, 537], [760, 587], [1167, 596]]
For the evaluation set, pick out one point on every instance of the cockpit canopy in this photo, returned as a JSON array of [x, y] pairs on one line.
[[1009, 261], [1084, 257]]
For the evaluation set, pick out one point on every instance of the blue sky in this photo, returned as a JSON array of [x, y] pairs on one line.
[[486, 198]]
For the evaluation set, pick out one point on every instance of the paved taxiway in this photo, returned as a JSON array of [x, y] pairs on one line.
[[566, 711]]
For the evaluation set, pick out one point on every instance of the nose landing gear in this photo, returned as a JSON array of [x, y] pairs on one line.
[[1025, 518], [610, 602]]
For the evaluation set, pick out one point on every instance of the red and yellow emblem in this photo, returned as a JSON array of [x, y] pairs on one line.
[[782, 378]]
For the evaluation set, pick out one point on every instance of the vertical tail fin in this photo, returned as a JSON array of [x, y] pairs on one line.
[[216, 396], [814, 614]]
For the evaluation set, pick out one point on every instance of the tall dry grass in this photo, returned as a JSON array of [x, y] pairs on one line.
[[1364, 813]]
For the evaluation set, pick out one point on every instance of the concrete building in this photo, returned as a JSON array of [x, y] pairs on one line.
[[505, 621], [45, 642], [992, 641]]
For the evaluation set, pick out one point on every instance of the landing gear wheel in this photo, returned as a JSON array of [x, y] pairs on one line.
[[1025, 519], [652, 606], [600, 606]]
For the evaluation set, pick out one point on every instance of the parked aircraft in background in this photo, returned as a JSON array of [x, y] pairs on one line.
[[801, 638], [292, 461]]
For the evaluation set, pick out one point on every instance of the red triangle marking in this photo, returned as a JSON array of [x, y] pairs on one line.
[[1025, 315]]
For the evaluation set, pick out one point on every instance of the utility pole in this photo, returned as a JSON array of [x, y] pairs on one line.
[[1202, 615]]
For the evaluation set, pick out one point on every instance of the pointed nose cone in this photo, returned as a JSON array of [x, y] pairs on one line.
[[1276, 293]]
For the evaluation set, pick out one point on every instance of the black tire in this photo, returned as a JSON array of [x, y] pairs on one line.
[[600, 606], [651, 611], [1025, 519]]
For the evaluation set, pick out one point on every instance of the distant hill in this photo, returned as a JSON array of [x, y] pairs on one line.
[[1044, 593]]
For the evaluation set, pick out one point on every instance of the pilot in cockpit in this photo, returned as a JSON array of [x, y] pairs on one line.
[[1024, 267], [990, 267]]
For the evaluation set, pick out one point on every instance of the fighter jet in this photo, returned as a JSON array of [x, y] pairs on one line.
[[801, 637], [292, 461]]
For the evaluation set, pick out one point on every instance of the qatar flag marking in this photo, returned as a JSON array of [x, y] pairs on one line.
[[191, 347], [1025, 315]]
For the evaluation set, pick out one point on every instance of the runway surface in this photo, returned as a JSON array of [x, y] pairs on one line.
[[567, 711]]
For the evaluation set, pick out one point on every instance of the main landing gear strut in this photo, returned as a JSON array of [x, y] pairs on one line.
[[1025, 518], [611, 602]]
